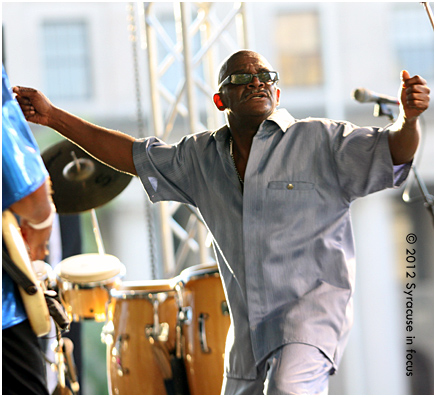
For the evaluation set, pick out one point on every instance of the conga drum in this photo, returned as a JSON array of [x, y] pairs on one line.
[[205, 328], [140, 336], [85, 282]]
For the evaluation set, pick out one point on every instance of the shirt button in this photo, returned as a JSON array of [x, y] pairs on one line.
[[290, 186]]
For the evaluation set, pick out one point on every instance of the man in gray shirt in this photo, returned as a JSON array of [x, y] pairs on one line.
[[275, 192]]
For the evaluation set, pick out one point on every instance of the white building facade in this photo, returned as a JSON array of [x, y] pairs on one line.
[[80, 55]]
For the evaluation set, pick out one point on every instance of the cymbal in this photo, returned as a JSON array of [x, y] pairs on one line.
[[80, 182]]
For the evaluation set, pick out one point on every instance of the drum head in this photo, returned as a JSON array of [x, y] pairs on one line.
[[141, 289], [197, 271], [88, 268]]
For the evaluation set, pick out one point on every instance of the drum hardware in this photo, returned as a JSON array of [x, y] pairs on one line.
[[157, 333], [179, 341], [107, 332], [225, 308], [64, 366], [67, 348], [116, 354], [202, 331], [185, 315], [182, 317]]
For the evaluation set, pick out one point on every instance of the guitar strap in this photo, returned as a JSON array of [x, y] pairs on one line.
[[15, 273]]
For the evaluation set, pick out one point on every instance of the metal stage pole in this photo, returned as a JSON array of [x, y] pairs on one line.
[[218, 29]]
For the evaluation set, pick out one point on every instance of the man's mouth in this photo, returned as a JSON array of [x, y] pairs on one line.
[[256, 95]]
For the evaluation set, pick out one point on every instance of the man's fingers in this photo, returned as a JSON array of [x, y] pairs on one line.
[[415, 80], [23, 101], [418, 89], [417, 104], [23, 90]]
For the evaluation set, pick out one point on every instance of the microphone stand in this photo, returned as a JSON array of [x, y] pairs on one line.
[[429, 12], [381, 109]]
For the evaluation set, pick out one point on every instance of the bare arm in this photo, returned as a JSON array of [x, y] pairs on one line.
[[404, 135], [109, 146], [35, 208]]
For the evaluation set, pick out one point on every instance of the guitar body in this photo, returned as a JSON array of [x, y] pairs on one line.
[[35, 305]]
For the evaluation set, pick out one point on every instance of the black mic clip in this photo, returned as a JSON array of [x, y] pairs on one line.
[[382, 109]]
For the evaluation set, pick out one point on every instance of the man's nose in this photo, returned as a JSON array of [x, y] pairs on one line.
[[255, 82]]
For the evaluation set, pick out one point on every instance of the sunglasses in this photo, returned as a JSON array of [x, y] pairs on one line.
[[245, 78]]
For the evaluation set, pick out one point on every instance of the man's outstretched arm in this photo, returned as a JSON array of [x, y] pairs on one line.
[[109, 146]]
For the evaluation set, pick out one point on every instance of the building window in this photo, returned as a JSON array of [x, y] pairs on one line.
[[66, 60], [413, 39], [299, 49]]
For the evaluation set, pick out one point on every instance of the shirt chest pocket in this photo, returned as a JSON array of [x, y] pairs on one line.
[[285, 200]]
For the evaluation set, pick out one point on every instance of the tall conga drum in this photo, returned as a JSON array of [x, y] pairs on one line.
[[205, 328], [140, 337]]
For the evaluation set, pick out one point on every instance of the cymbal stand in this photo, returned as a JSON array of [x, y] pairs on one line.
[[427, 197], [97, 233], [83, 172]]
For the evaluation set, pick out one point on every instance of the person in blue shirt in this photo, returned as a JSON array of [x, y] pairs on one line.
[[25, 193], [275, 193]]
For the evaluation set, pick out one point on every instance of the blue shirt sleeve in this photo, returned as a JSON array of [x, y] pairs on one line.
[[23, 172], [23, 169]]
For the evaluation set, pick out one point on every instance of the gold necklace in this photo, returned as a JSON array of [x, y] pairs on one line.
[[234, 163]]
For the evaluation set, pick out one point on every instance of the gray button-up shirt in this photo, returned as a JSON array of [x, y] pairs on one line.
[[285, 246]]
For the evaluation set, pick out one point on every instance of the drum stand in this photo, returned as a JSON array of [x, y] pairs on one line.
[[64, 365]]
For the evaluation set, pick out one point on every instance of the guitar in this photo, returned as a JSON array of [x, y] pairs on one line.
[[35, 305]]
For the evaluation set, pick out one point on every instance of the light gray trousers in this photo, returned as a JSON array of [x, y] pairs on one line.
[[294, 368]]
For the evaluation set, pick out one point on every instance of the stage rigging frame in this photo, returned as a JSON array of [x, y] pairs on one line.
[[217, 27]]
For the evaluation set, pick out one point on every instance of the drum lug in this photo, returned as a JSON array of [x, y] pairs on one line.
[[225, 308], [161, 334], [185, 315], [116, 354], [107, 333], [202, 331]]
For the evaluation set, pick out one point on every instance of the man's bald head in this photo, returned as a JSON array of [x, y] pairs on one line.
[[226, 67]]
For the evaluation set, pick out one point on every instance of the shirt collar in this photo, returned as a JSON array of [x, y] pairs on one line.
[[280, 116]]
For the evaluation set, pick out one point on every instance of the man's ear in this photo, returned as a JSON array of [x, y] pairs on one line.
[[218, 102], [278, 96]]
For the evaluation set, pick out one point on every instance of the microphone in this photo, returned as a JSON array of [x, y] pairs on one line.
[[363, 95]]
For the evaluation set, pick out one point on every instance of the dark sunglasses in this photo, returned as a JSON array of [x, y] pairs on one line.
[[245, 78]]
